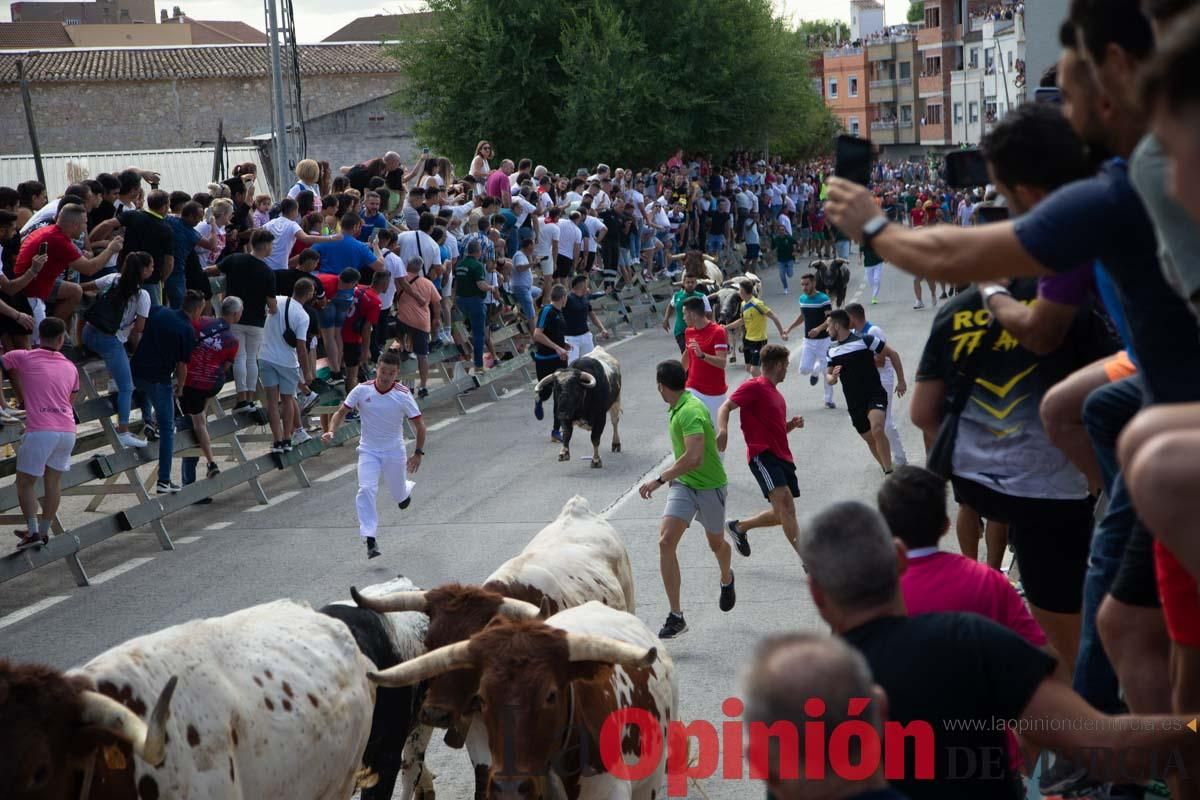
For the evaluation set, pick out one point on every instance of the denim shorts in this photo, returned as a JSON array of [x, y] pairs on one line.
[[334, 314], [286, 378]]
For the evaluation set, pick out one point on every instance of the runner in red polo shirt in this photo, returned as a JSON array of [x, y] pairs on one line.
[[705, 354], [765, 426]]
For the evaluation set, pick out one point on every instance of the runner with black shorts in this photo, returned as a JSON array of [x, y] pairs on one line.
[[765, 426], [550, 350], [854, 361]]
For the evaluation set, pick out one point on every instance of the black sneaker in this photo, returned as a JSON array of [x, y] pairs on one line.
[[423, 392], [287, 445], [736, 538], [240, 404], [372, 550], [337, 377], [151, 431], [812, 380], [213, 470], [405, 503], [674, 626], [166, 487], [538, 412], [728, 595], [278, 447]]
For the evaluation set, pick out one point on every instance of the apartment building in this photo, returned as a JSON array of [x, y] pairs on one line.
[[992, 79], [893, 67], [847, 93]]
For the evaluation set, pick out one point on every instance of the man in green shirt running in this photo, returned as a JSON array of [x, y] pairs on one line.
[[873, 267], [697, 491], [676, 307]]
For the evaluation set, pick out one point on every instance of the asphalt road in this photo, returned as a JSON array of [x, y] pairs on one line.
[[490, 481]]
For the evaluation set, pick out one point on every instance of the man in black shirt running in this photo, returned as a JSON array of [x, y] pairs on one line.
[[550, 347], [854, 361]]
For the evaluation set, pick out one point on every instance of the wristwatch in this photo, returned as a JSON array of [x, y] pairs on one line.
[[660, 480], [419, 452], [991, 290], [873, 227]]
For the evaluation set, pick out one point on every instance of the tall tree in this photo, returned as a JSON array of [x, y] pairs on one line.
[[615, 80], [916, 12], [824, 31]]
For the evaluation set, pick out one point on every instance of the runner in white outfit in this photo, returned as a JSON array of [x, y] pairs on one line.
[[382, 405], [887, 376]]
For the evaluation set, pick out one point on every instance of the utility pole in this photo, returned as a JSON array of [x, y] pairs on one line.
[[33, 140], [278, 118]]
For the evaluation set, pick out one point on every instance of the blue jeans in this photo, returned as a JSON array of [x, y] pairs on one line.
[[187, 466], [116, 360], [476, 314], [155, 292], [785, 272], [175, 289], [162, 397], [524, 297], [716, 243], [1105, 412], [841, 248]]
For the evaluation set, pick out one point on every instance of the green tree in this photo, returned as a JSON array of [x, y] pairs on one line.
[[818, 31], [615, 80], [916, 12]]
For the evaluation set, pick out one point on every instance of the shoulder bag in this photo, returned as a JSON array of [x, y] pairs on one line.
[[289, 335], [107, 312], [940, 458]]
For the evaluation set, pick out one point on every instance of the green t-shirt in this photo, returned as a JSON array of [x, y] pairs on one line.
[[677, 303], [870, 257], [689, 417], [785, 247], [467, 274]]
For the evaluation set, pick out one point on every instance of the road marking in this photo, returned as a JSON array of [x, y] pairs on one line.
[[188, 539], [515, 391], [437, 426], [618, 343], [120, 569], [276, 500], [216, 526], [29, 611], [480, 407], [337, 473], [633, 490]]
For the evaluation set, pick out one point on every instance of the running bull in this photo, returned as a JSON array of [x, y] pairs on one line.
[[545, 690], [268, 702], [584, 393]]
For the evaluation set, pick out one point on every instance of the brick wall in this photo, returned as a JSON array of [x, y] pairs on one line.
[[145, 115]]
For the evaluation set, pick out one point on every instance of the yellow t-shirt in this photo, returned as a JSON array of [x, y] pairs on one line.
[[754, 313]]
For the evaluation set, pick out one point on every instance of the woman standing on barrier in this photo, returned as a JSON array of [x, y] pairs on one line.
[[115, 318]]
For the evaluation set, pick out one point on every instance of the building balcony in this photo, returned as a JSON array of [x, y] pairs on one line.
[[935, 133], [843, 52], [931, 84], [883, 124], [883, 135], [885, 92]]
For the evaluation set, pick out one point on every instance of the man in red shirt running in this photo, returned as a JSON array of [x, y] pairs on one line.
[[705, 354], [765, 426]]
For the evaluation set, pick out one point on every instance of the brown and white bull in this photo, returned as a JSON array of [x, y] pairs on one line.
[[578, 558], [545, 691], [269, 702]]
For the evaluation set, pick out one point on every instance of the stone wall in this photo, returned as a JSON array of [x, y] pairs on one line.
[[147, 115], [355, 134]]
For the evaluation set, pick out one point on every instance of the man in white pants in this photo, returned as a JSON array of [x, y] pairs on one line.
[[814, 315], [382, 405], [873, 269], [887, 376]]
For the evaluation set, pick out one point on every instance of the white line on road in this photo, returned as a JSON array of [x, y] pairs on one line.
[[337, 473], [276, 500], [480, 407], [633, 490], [216, 526], [120, 569], [514, 391], [618, 343], [437, 426], [188, 539], [29, 611]]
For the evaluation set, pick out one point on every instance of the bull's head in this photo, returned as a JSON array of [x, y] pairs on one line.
[[54, 724], [525, 695], [727, 305], [455, 613], [569, 387]]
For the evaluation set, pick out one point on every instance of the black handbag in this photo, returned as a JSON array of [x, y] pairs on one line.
[[289, 335], [940, 458], [106, 313]]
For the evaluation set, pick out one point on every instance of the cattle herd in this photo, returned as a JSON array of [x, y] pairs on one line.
[[281, 701]]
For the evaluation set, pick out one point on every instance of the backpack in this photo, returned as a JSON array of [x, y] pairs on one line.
[[106, 314]]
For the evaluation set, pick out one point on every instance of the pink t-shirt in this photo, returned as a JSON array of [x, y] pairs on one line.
[[950, 582], [48, 379], [498, 185]]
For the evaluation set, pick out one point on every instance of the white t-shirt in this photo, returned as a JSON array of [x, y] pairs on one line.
[[209, 257], [301, 186], [547, 236], [285, 231], [382, 415], [414, 244], [138, 305], [601, 201], [569, 235], [522, 208], [395, 267], [274, 348], [44, 214], [594, 226], [887, 372], [785, 223]]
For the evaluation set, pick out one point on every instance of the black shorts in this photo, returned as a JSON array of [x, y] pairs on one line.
[[1051, 538], [420, 339], [589, 262], [752, 350], [544, 367], [859, 411], [771, 472], [19, 303], [1135, 583], [563, 266], [351, 354], [194, 401], [679, 340]]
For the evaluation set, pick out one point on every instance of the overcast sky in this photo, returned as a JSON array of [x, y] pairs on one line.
[[315, 20]]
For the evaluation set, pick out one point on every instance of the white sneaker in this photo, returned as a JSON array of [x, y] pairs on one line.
[[127, 439], [7, 417], [918, 304], [300, 437], [307, 401]]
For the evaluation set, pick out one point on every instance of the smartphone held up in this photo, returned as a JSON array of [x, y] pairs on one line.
[[852, 159]]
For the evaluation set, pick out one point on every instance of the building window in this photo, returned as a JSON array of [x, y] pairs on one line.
[[933, 66], [958, 112], [974, 58], [989, 61], [905, 70], [973, 111], [1010, 60], [906, 114], [989, 111], [854, 126], [933, 18], [833, 87], [933, 115], [816, 84], [853, 86]]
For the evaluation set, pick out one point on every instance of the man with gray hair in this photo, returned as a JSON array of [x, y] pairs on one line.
[[964, 676], [216, 346], [787, 672]]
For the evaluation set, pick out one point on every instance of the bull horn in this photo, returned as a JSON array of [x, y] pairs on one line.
[[399, 601], [542, 383], [584, 647], [149, 740], [518, 609], [430, 665], [589, 381]]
